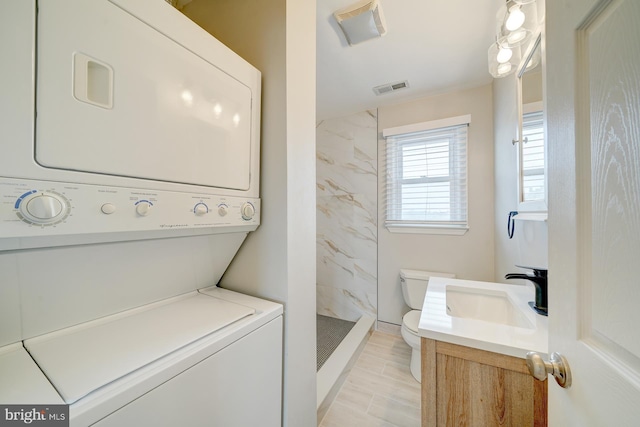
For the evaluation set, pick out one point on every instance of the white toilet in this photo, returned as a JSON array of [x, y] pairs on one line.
[[414, 287]]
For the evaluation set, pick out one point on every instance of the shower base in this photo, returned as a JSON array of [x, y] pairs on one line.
[[329, 334]]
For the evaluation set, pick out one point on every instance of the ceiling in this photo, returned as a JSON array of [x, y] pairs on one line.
[[437, 45]]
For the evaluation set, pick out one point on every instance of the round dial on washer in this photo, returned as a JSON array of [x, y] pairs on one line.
[[44, 208], [143, 208], [200, 209], [248, 211], [222, 209]]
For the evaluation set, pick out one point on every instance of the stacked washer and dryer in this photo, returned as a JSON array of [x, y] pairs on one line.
[[128, 181]]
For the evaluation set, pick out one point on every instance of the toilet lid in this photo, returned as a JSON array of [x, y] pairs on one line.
[[411, 320]]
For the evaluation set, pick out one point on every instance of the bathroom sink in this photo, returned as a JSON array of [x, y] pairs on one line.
[[489, 316], [483, 304]]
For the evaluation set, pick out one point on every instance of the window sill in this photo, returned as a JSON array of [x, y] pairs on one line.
[[530, 216], [432, 229]]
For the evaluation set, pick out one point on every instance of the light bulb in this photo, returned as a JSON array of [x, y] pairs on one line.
[[504, 68], [516, 36], [515, 18], [504, 55]]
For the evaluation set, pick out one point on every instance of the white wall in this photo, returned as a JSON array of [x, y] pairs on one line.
[[278, 260], [470, 256], [347, 196]]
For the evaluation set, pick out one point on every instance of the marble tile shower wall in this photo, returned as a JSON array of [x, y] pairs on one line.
[[347, 277]]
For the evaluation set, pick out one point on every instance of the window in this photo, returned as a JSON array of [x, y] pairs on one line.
[[426, 173], [533, 157]]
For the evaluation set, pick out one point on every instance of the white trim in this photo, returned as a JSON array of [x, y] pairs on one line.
[[428, 229], [532, 107], [530, 216], [424, 126]]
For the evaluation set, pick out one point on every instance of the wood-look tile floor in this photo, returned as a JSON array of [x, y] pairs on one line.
[[379, 391]]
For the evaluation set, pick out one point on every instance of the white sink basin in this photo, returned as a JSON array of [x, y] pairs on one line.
[[483, 304], [489, 316]]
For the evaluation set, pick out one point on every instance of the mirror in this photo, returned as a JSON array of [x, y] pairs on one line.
[[532, 193]]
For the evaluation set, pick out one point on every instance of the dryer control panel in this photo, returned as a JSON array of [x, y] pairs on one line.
[[30, 208]]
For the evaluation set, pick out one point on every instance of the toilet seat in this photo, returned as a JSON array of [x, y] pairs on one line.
[[411, 320]]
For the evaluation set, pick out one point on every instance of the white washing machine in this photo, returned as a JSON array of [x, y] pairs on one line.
[[209, 357], [129, 179], [22, 381]]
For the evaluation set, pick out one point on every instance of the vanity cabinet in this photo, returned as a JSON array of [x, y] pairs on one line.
[[463, 386]]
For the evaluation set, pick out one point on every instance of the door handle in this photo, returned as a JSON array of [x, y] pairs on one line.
[[556, 366]]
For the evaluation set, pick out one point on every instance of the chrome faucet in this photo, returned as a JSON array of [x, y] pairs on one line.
[[539, 279]]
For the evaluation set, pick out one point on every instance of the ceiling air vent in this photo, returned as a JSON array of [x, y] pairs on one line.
[[390, 87]]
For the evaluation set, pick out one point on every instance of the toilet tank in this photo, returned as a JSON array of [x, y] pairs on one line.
[[414, 285]]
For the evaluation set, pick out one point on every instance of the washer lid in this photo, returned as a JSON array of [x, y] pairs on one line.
[[83, 358], [22, 380]]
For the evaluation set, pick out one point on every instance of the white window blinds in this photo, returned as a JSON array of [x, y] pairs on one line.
[[533, 157], [426, 177]]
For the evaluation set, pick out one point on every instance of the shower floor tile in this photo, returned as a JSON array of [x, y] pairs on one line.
[[329, 333]]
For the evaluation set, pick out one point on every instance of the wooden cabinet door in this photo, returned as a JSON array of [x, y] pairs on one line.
[[468, 387]]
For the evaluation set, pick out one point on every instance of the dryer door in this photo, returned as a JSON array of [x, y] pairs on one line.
[[116, 96]]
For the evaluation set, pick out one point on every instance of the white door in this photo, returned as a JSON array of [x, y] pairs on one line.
[[593, 104]]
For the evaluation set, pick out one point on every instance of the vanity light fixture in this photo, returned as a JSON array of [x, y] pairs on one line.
[[504, 55], [503, 60], [515, 22], [515, 18]]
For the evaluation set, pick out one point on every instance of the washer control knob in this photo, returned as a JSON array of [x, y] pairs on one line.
[[222, 210], [143, 208], [248, 211], [108, 208], [200, 209], [43, 207]]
